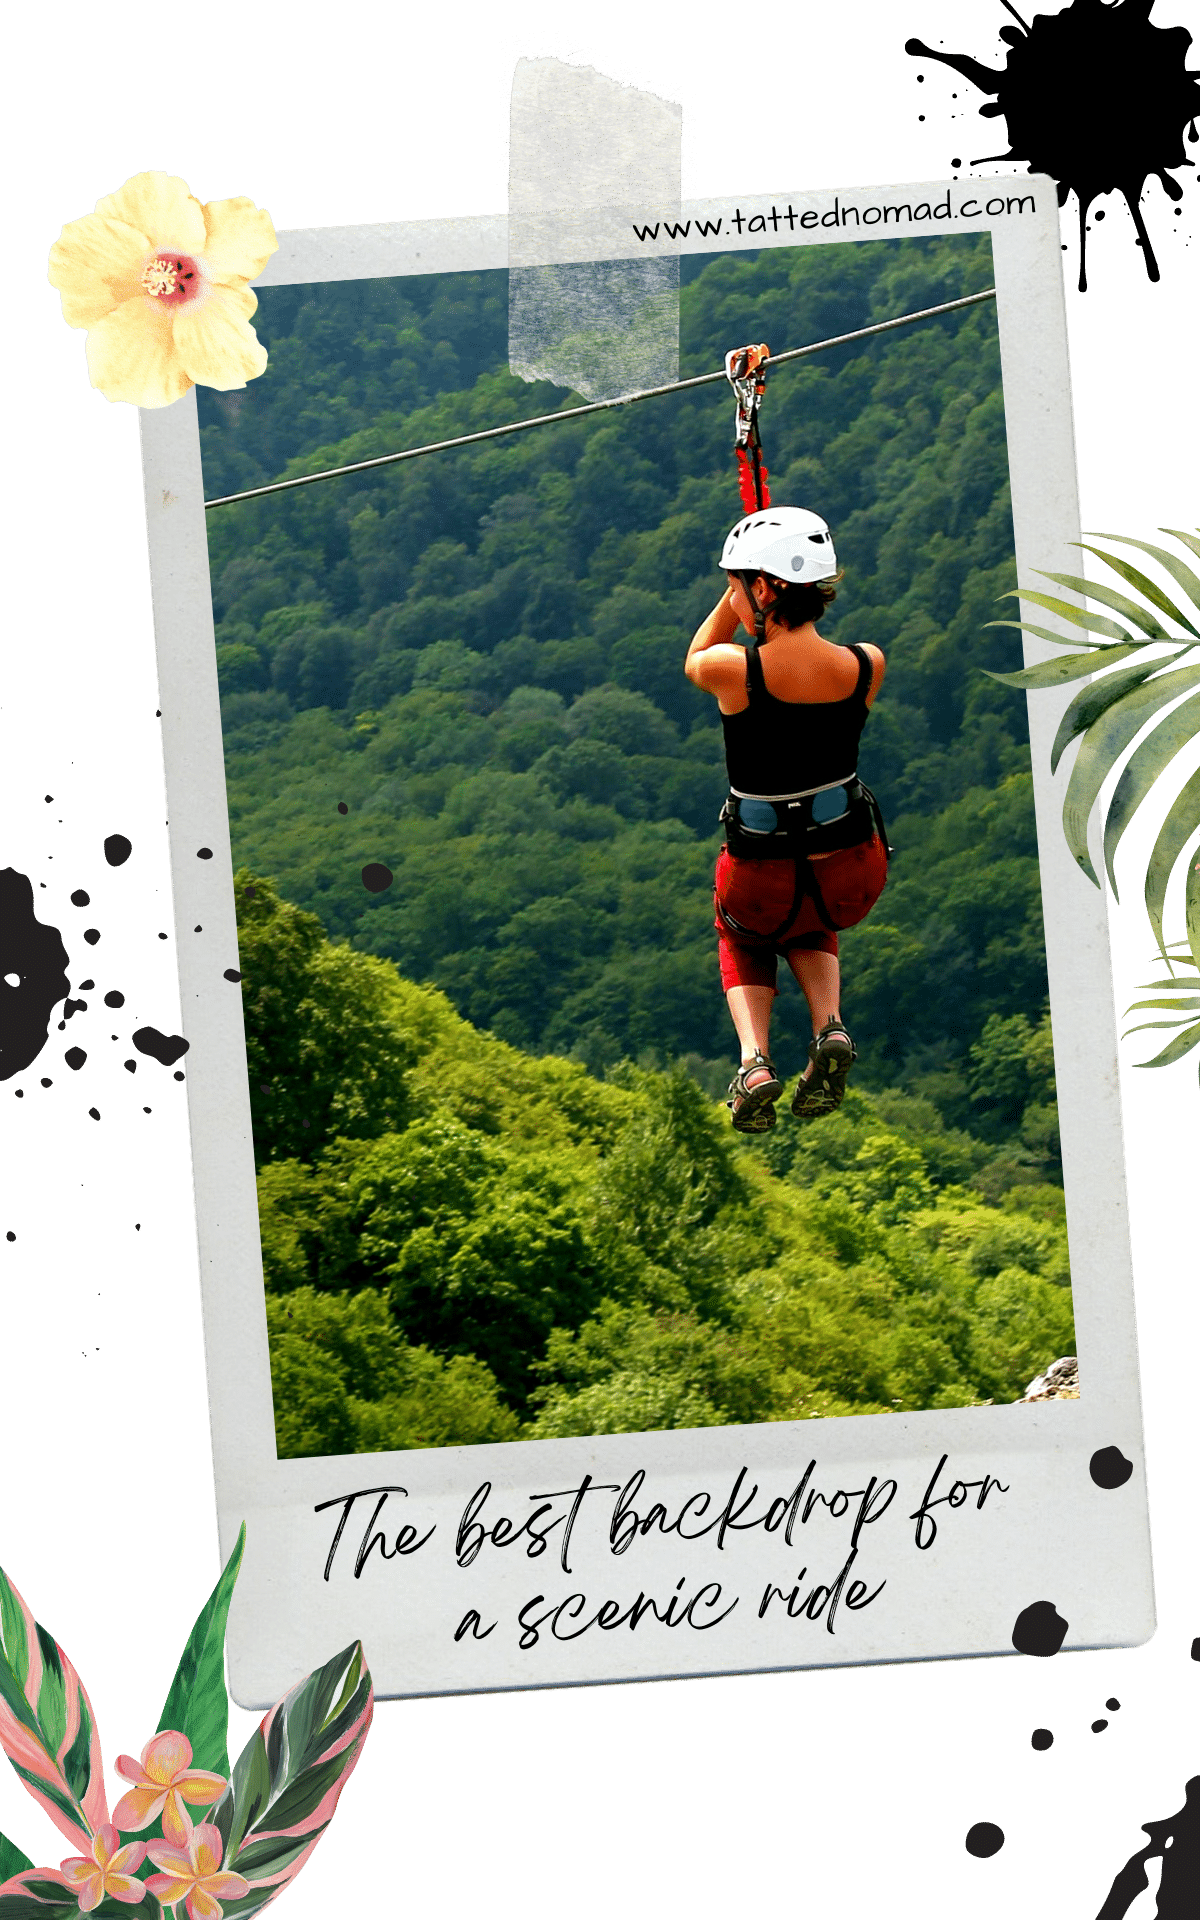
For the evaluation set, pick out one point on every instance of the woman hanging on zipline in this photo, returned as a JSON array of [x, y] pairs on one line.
[[806, 850]]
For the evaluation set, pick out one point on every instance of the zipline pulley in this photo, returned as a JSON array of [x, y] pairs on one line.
[[746, 372]]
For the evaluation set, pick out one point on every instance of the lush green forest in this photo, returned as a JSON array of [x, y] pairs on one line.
[[469, 668], [464, 1242]]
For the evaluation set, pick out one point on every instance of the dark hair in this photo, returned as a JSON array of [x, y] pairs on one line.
[[798, 601]]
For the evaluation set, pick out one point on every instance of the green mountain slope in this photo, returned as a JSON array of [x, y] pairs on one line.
[[506, 1247], [478, 656]]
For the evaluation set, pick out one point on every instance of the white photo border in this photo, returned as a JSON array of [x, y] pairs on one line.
[[1054, 1541]]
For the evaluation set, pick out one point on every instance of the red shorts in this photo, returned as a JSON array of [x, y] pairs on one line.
[[766, 907]]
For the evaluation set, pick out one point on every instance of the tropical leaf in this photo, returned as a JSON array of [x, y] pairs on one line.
[[286, 1783], [1164, 1005], [12, 1860], [1091, 701], [1170, 563], [1191, 909], [1068, 666], [1134, 578], [1109, 597], [42, 1896], [1067, 609], [198, 1703], [1188, 540], [1059, 639], [1176, 830], [47, 1727], [1104, 744], [1141, 771], [1175, 1050]]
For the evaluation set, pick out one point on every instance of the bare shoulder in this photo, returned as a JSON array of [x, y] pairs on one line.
[[721, 670]]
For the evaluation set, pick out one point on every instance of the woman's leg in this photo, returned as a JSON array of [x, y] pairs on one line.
[[820, 980], [750, 1011]]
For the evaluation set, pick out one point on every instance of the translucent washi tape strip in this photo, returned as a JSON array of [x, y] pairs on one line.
[[586, 155]]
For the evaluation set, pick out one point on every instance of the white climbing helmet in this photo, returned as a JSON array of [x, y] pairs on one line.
[[789, 543]]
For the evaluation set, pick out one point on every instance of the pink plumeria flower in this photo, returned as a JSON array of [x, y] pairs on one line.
[[193, 1874], [165, 1778], [107, 1871]]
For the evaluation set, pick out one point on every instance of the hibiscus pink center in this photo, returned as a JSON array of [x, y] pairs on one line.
[[172, 278]]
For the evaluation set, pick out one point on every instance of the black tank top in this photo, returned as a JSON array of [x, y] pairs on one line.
[[776, 748]]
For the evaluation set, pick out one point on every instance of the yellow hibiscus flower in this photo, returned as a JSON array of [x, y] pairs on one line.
[[162, 285]]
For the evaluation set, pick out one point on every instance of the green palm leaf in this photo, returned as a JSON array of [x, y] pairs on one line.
[[1109, 597], [1175, 1049], [1079, 616], [1093, 701], [1174, 834], [1191, 910], [1179, 572], [1188, 540], [1104, 744], [1143, 583], [1059, 639], [1068, 666], [1142, 770]]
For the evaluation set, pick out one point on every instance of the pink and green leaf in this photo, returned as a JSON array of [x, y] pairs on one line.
[[198, 1703], [43, 1895], [47, 1726], [286, 1784]]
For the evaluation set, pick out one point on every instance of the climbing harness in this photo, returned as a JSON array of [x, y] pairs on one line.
[[746, 372]]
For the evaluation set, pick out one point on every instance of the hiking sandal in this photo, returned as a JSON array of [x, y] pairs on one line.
[[820, 1092], [753, 1108]]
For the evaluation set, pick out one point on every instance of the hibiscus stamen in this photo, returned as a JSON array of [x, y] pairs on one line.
[[170, 278]]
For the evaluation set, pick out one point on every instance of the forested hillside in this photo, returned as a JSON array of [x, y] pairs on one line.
[[478, 656], [465, 1243], [498, 1197]]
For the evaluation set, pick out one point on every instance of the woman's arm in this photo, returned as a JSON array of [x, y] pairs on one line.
[[704, 668]]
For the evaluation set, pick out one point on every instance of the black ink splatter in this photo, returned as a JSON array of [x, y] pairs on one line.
[[1114, 1706], [114, 999], [1039, 1630], [94, 1113], [131, 1066], [81, 899], [231, 973], [1196, 1649], [33, 977], [1096, 97], [1041, 1739], [87, 986], [985, 1839], [1098, 1726], [377, 878], [91, 935], [164, 1047], [1176, 1842], [75, 1057], [204, 853], [70, 1007], [117, 849], [342, 807], [1109, 1468]]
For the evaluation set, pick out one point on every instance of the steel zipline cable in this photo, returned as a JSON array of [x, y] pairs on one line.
[[598, 406]]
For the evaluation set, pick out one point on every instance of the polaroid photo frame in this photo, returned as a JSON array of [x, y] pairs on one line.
[[887, 1536]]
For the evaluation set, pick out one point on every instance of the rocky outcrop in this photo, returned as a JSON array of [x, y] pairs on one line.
[[1059, 1382]]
